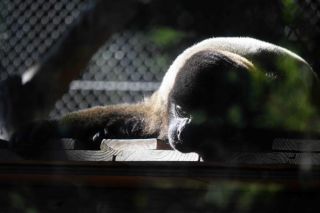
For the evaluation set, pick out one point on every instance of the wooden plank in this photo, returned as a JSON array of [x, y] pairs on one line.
[[130, 144], [261, 159], [114, 173], [61, 144], [156, 155], [79, 155], [275, 158], [67, 143], [296, 145], [290, 152], [106, 144], [134, 144], [163, 145], [304, 160], [117, 155]]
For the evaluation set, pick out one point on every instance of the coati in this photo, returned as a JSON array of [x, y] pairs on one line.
[[216, 94]]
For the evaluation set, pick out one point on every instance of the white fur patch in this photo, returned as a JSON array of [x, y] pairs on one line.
[[245, 47]]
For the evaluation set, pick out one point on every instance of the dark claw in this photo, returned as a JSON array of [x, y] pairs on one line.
[[98, 137]]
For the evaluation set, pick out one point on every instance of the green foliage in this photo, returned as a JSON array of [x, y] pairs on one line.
[[162, 60], [199, 117], [290, 9], [165, 37], [287, 103], [235, 116], [277, 99], [241, 196], [19, 202]]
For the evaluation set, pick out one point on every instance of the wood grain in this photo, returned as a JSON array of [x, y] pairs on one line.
[[117, 155], [156, 155], [79, 155], [276, 158], [59, 144], [296, 145], [132, 144], [301, 153]]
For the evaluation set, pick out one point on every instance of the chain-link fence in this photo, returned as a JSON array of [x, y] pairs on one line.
[[29, 28], [127, 68]]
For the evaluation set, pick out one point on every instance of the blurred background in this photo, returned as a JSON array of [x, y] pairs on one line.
[[131, 64], [128, 67]]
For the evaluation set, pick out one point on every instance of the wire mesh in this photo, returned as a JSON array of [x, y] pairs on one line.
[[127, 68]]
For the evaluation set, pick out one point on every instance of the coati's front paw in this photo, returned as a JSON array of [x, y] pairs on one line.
[[92, 142], [99, 136]]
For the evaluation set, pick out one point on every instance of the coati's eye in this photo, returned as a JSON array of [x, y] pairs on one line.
[[180, 112]]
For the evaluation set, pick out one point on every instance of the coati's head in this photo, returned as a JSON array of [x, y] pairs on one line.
[[209, 89], [220, 101]]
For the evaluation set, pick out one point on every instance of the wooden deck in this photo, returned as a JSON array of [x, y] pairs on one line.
[[284, 152], [148, 161], [64, 178]]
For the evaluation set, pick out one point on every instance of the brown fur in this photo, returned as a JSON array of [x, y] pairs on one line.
[[147, 119], [151, 117]]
